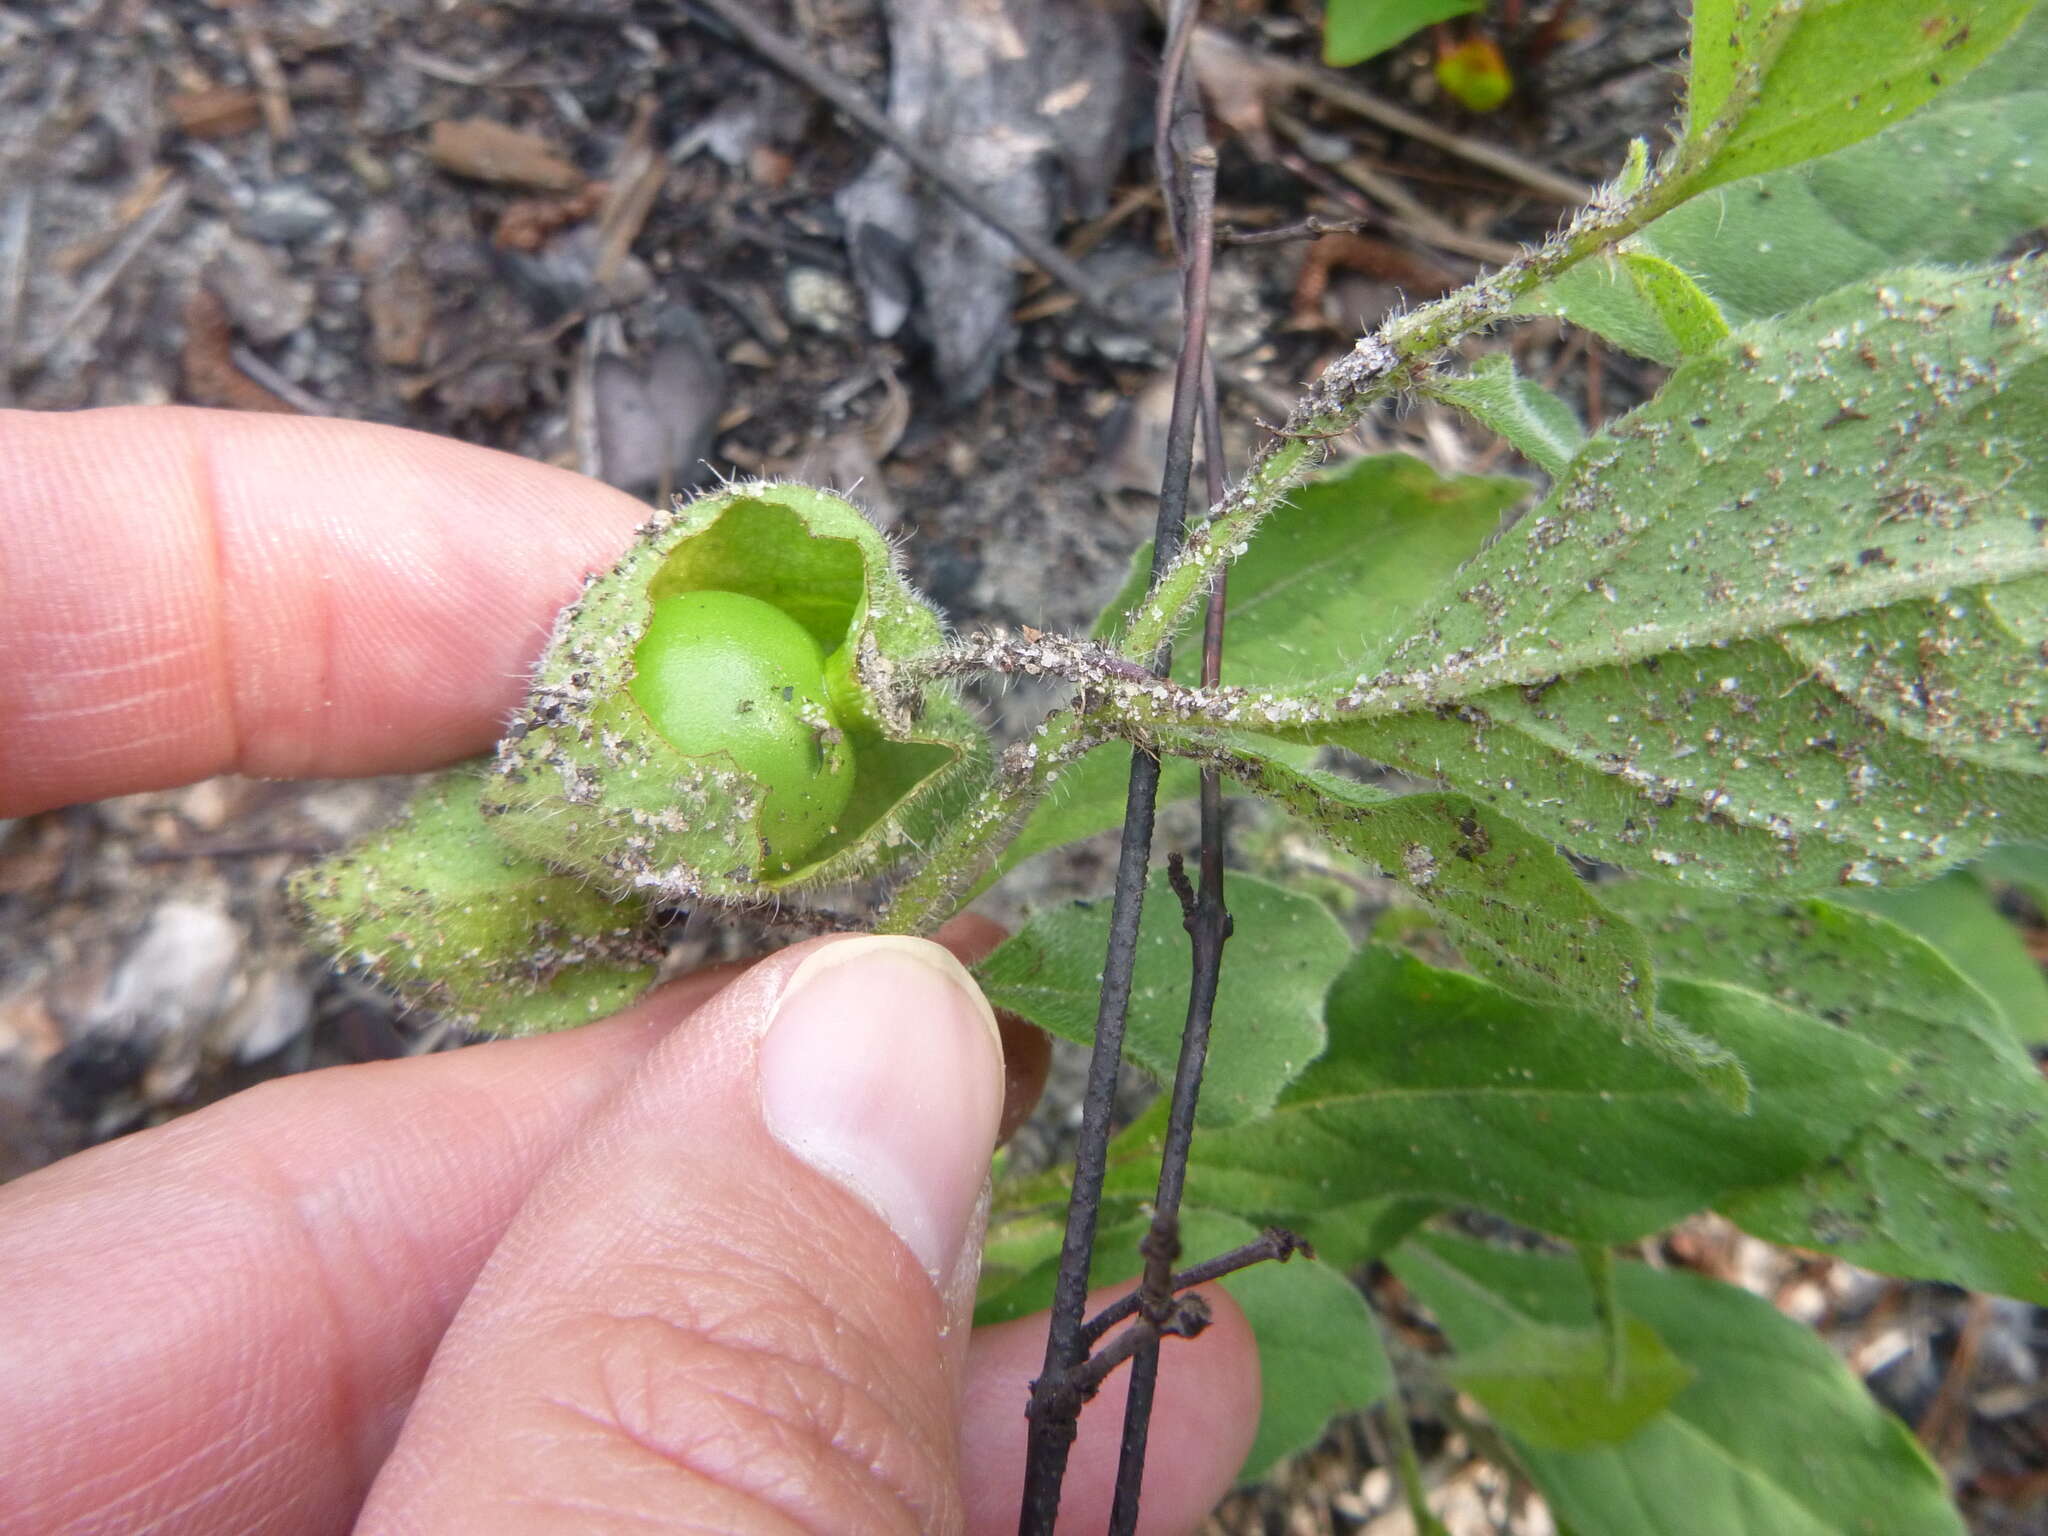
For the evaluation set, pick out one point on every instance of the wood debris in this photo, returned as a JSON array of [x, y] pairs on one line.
[[215, 112], [207, 365], [484, 150]]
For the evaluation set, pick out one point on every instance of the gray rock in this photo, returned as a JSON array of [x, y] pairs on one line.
[[266, 303], [275, 1010], [175, 976], [287, 212], [821, 301]]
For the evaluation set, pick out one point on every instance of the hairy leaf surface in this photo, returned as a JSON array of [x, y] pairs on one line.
[[1284, 951], [1803, 77], [1540, 426], [1950, 1177], [1773, 1434], [1776, 627], [1516, 907], [1954, 183], [1438, 1086]]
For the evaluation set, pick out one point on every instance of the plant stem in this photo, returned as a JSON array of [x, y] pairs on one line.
[[1598, 1260], [1393, 1414], [1055, 1407], [1274, 1245], [1203, 914]]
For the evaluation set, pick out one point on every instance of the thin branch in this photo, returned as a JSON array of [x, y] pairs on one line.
[[1275, 1245], [1314, 227], [1185, 1319], [1054, 1412], [1205, 918]]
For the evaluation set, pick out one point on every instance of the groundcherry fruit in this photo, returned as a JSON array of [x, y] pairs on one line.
[[724, 673]]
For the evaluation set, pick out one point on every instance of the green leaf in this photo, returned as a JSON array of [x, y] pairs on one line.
[[1949, 1178], [1772, 1438], [2023, 865], [1319, 1352], [1601, 297], [1550, 1386], [1337, 572], [1437, 1086], [1087, 798], [1639, 301], [1802, 79], [1349, 1237], [1774, 628], [1693, 320], [1284, 950], [1955, 183], [1957, 916], [1357, 30], [1515, 907], [1540, 426]]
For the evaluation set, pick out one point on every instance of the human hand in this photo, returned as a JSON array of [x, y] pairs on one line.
[[638, 1276]]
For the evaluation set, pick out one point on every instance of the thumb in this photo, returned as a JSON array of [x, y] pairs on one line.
[[740, 1302]]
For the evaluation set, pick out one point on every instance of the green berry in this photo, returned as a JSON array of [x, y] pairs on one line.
[[724, 673]]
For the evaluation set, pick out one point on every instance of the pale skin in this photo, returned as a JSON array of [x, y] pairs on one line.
[[561, 1284]]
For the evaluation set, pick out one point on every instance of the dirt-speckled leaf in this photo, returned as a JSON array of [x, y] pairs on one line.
[[1438, 1086], [1540, 426], [1553, 1386], [1804, 77], [1284, 950], [1950, 1178], [1319, 1351], [1514, 905], [1958, 917], [1775, 628], [1955, 183], [1773, 1437]]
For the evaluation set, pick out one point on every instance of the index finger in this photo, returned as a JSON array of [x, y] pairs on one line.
[[185, 592]]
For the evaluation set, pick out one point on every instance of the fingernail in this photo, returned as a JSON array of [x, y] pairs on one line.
[[883, 1070]]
